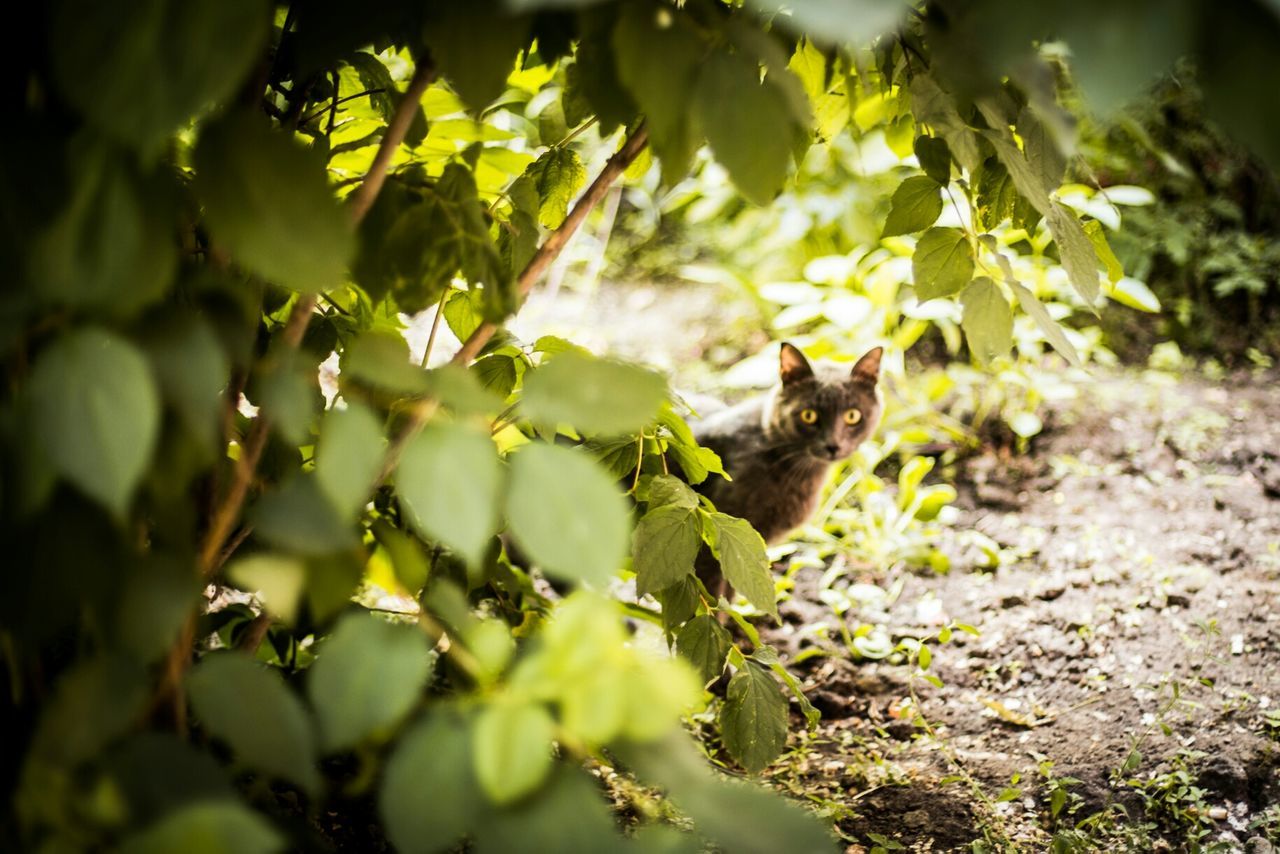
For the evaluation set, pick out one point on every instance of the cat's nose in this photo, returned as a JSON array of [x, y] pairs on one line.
[[833, 450]]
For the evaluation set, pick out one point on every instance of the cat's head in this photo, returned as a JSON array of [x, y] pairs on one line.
[[825, 411]]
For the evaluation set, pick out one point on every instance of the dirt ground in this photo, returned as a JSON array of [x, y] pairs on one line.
[[1141, 543]]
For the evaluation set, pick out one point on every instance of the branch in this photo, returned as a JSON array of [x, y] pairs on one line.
[[554, 244], [362, 199]]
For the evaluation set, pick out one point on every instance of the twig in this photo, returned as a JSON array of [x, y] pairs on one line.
[[362, 199], [334, 104], [255, 634], [435, 326]]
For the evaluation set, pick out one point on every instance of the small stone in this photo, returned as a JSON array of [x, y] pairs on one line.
[[1218, 813], [1258, 845]]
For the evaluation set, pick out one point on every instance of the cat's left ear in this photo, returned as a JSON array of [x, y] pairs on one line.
[[867, 369], [793, 365]]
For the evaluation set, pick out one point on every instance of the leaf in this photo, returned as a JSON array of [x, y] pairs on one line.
[[349, 456], [594, 395], [851, 22], [593, 77], [511, 749], [557, 175], [463, 312], [915, 206], [987, 320], [668, 490], [1135, 294], [569, 814], [429, 796], [277, 579], [268, 201], [459, 389], [93, 702], [942, 264], [248, 706], [299, 517], [207, 827], [451, 481], [748, 123], [997, 198], [1078, 257], [367, 675], [742, 557], [1098, 239], [934, 157], [705, 643], [659, 65], [191, 370], [679, 602], [932, 106], [497, 373], [1052, 330], [95, 411], [139, 71], [381, 359], [664, 546], [567, 514], [1043, 155], [753, 718], [475, 46]]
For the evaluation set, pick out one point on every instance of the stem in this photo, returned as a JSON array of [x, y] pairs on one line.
[[435, 326], [362, 199], [555, 244], [335, 103]]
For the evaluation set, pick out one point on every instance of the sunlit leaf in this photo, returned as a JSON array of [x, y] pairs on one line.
[[987, 320], [942, 264], [753, 718]]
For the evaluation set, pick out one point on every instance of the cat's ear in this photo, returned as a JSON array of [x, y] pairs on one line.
[[793, 366], [867, 369]]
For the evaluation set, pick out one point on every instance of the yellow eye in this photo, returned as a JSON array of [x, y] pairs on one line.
[[852, 416], [809, 416]]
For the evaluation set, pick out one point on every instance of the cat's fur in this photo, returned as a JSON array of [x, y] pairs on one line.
[[778, 462]]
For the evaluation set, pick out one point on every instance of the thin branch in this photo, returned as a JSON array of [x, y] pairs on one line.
[[554, 244], [337, 102], [362, 199], [435, 326]]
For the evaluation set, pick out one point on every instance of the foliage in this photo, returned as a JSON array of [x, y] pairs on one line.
[[203, 202]]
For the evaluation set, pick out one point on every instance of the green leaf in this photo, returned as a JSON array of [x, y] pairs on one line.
[[511, 748], [429, 796], [915, 206], [567, 514], [748, 123], [475, 46], [191, 370], [569, 814], [367, 676], [267, 200], [705, 643], [497, 373], [139, 71], [934, 107], [463, 312], [1134, 294], [668, 490], [289, 395], [1078, 257], [459, 389], [1043, 155], [679, 602], [659, 64], [664, 546], [207, 827], [277, 579], [349, 456], [248, 706], [594, 395], [300, 517], [95, 411], [92, 703], [557, 175], [1052, 330], [743, 560], [450, 480], [987, 320], [942, 264], [935, 158], [997, 198], [835, 22], [1098, 239], [593, 76], [753, 718], [381, 359]]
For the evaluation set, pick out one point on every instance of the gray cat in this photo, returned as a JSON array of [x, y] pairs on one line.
[[779, 446]]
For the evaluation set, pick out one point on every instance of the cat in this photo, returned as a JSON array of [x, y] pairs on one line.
[[779, 446]]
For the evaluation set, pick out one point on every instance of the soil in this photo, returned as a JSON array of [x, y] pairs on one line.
[[1141, 544]]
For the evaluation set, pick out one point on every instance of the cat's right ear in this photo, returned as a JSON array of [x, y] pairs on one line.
[[793, 365]]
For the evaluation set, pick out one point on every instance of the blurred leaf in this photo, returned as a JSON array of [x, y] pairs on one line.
[[557, 175], [451, 481], [987, 320], [460, 390], [381, 359], [593, 77], [155, 601], [368, 674], [1135, 294], [747, 122], [842, 22], [935, 159], [1098, 239], [932, 106], [95, 411], [289, 396], [191, 369], [279, 581], [300, 518], [475, 46], [211, 827], [383, 94], [942, 264], [915, 206], [158, 772], [1043, 155], [107, 60], [511, 749], [94, 702], [568, 815], [429, 796], [743, 561], [267, 200], [567, 514], [594, 395], [349, 456], [753, 719], [248, 706], [705, 643], [664, 546]]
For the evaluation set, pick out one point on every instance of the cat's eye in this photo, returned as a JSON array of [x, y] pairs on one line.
[[809, 416], [852, 416]]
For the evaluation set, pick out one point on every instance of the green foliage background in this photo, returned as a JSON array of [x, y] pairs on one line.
[[195, 217]]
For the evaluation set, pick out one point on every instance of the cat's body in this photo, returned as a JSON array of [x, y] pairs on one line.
[[779, 446]]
